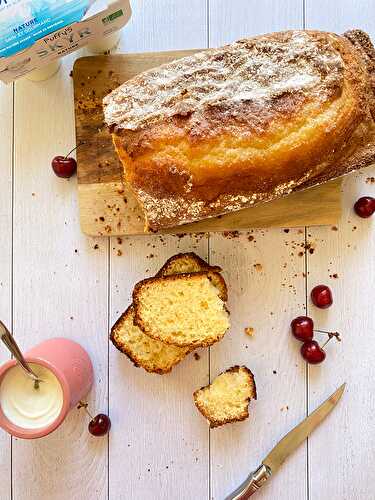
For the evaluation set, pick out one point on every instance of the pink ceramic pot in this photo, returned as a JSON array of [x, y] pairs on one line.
[[72, 366]]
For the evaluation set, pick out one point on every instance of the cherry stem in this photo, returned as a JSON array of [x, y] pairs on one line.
[[330, 336], [76, 147], [83, 404]]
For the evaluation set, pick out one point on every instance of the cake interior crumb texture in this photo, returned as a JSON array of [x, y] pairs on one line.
[[227, 398], [154, 356], [184, 310]]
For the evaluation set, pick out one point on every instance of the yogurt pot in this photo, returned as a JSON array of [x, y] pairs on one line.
[[67, 376], [105, 44], [43, 73]]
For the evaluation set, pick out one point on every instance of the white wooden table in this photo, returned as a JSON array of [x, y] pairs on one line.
[[53, 282]]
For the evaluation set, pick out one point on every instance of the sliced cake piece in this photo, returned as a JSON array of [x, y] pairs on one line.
[[188, 262], [192, 263], [154, 356], [227, 398], [183, 309]]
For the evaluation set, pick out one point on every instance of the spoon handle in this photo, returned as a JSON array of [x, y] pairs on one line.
[[11, 344]]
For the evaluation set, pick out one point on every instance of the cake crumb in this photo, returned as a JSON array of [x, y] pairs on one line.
[[334, 228], [96, 246], [102, 219], [119, 253], [231, 234], [196, 356], [249, 331], [258, 266], [370, 180], [119, 240]]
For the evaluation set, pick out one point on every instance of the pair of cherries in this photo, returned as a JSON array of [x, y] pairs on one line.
[[303, 330], [303, 327]]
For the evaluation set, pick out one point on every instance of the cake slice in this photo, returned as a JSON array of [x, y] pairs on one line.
[[227, 398], [190, 263], [183, 309], [152, 355]]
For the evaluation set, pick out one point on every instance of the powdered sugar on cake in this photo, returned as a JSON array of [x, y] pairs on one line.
[[246, 72]]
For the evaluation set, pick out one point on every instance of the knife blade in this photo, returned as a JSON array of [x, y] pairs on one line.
[[285, 447]]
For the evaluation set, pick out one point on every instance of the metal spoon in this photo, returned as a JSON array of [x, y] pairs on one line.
[[11, 344]]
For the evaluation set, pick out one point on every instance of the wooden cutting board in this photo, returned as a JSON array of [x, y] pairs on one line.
[[109, 208]]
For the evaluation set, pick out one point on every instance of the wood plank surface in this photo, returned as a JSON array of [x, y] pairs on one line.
[[60, 289], [266, 289], [6, 154], [159, 438], [340, 461]]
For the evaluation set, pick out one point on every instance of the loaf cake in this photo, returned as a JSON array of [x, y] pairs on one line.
[[228, 128], [152, 355], [185, 310], [227, 398]]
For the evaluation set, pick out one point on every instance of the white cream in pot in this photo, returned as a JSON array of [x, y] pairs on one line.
[[25, 406]]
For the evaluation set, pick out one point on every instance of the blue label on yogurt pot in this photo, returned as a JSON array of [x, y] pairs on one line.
[[23, 22]]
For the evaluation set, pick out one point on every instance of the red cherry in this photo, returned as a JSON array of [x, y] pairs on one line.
[[321, 296], [312, 352], [302, 328], [365, 206], [100, 425], [64, 166]]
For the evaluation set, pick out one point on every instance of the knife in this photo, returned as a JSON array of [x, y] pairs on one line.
[[274, 460]]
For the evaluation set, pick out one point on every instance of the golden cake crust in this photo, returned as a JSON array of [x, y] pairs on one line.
[[228, 128]]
